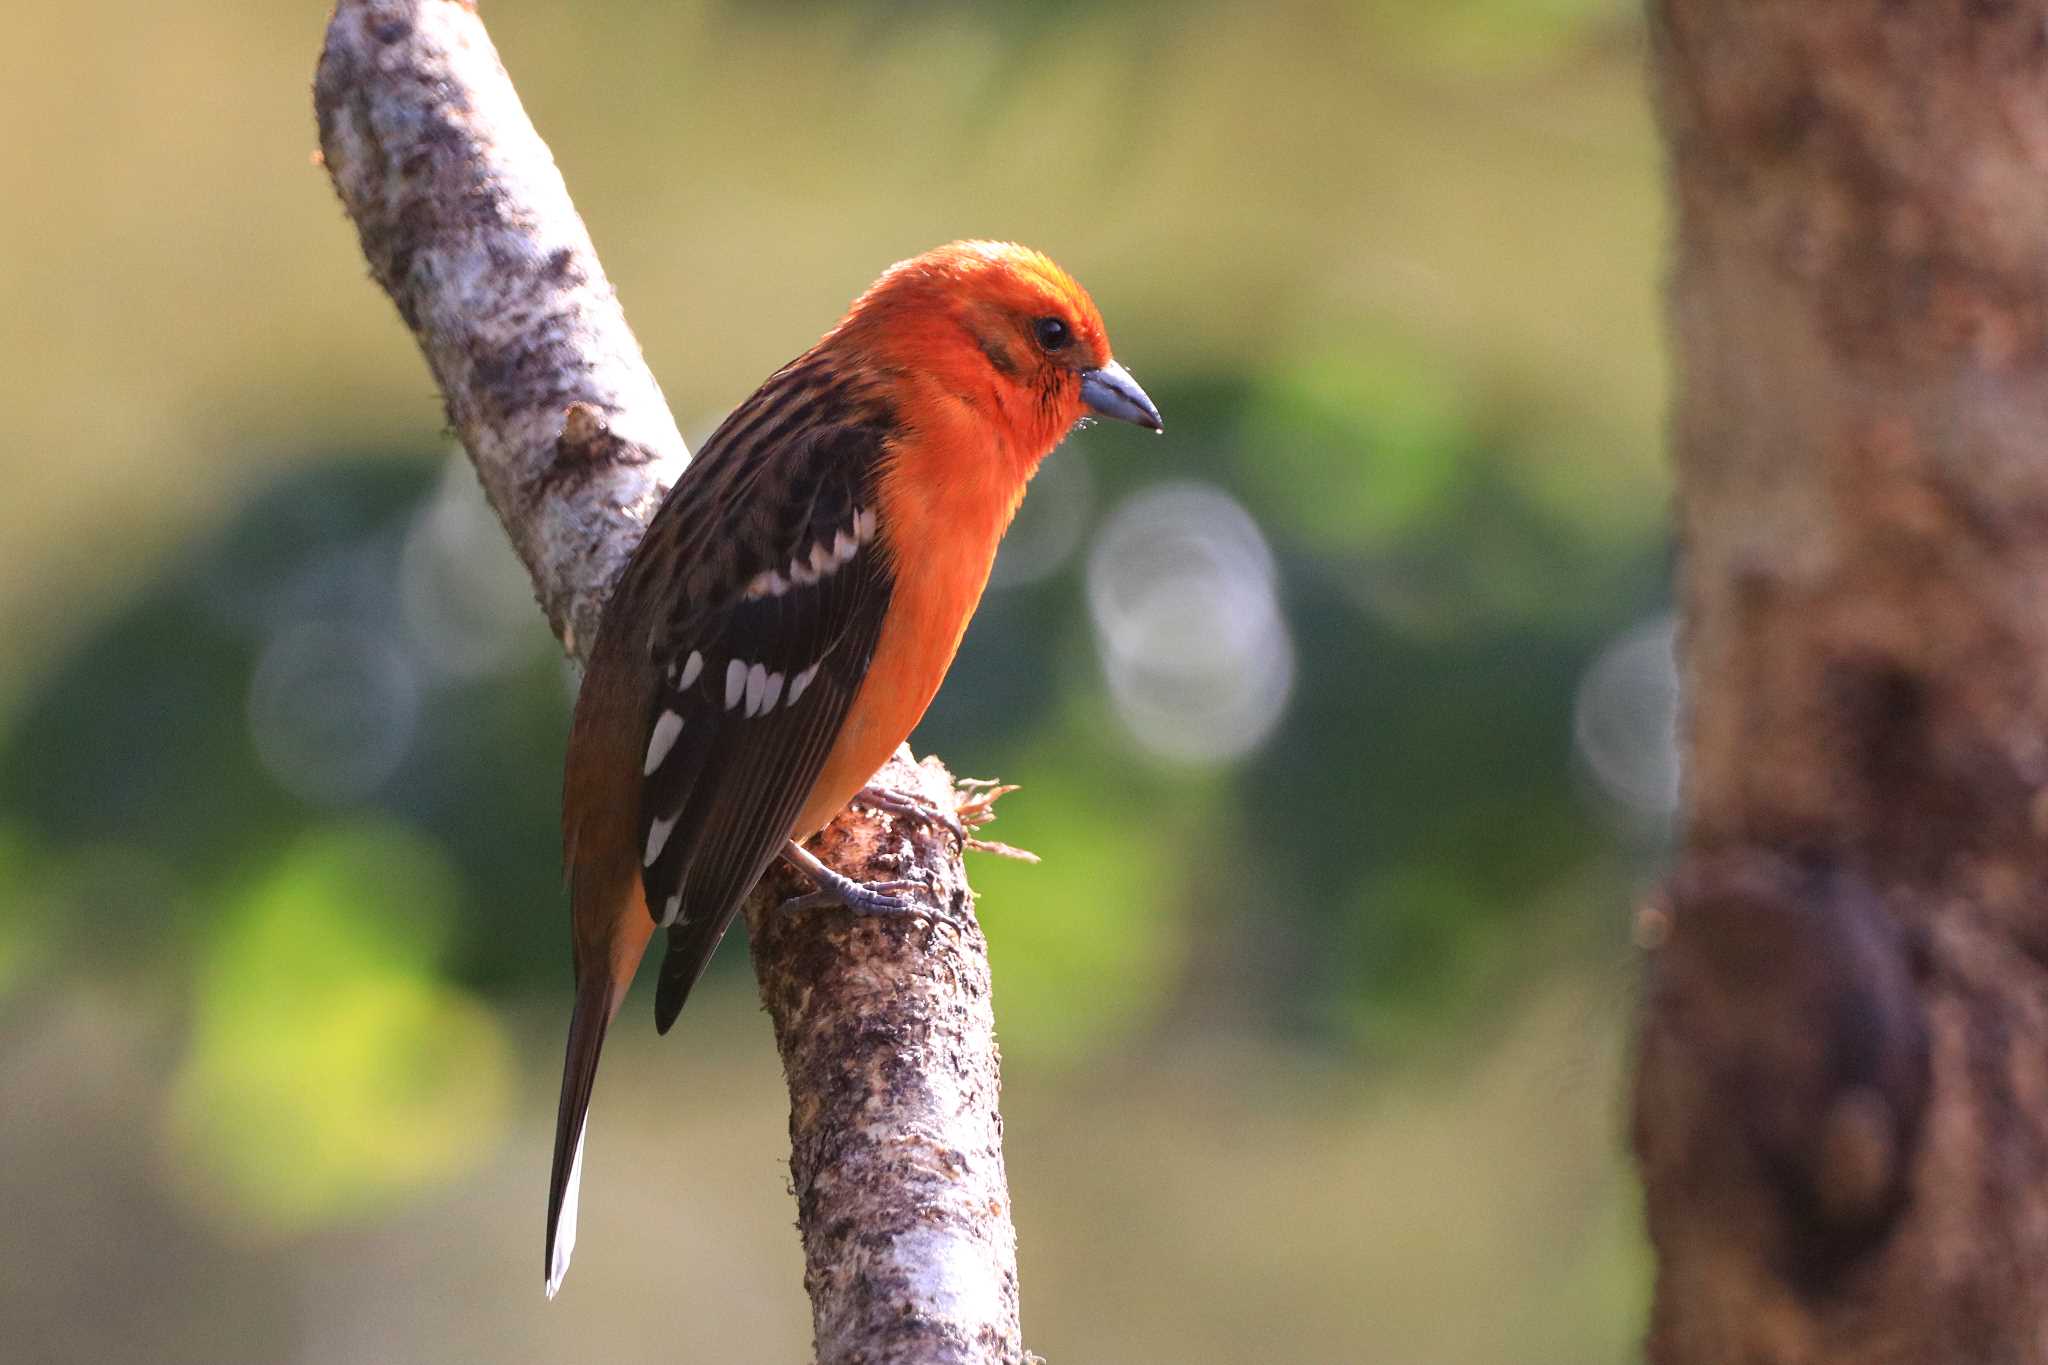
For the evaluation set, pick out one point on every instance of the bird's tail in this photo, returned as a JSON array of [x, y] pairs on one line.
[[597, 1000], [609, 923]]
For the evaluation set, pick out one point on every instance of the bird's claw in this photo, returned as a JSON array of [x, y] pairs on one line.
[[836, 889], [862, 898], [909, 807]]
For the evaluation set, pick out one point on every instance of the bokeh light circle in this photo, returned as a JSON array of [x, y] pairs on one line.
[[1050, 524], [1184, 598], [1625, 717], [332, 710], [462, 594]]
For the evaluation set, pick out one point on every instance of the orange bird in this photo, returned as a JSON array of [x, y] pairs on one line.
[[791, 611]]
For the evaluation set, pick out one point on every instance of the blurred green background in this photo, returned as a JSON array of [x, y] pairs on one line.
[[1342, 713]]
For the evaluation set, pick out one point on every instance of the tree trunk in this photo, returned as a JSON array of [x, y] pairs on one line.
[[884, 1023], [1841, 1111]]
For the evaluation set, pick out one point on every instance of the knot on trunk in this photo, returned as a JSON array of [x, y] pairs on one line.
[[1785, 1057]]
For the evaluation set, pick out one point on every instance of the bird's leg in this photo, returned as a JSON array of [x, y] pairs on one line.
[[896, 803], [838, 889]]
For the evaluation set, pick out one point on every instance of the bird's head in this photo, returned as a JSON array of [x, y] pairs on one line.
[[993, 321]]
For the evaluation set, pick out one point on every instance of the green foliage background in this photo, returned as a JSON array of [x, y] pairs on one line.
[[1314, 1054]]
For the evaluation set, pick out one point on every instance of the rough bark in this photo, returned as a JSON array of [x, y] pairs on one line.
[[892, 1019], [1841, 1112], [884, 1024]]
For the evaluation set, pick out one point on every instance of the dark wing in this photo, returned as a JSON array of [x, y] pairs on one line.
[[779, 588]]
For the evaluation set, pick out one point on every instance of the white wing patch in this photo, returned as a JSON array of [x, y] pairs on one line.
[[657, 837], [800, 682], [666, 727], [764, 689], [820, 562], [751, 689], [752, 683], [735, 682]]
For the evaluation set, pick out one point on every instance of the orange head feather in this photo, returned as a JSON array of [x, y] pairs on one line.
[[999, 330]]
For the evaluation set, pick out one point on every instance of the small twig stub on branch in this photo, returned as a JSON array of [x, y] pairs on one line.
[[894, 1013], [467, 224]]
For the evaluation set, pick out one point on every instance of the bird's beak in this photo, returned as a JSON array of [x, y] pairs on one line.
[[1112, 392]]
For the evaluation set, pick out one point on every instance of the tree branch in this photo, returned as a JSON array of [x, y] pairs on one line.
[[896, 1143], [884, 1024], [1842, 1100]]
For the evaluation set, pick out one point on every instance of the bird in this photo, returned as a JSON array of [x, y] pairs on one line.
[[790, 612]]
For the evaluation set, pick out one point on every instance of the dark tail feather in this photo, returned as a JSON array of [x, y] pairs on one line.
[[690, 947], [597, 999]]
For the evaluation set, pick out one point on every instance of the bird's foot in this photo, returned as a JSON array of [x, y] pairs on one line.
[[836, 890], [909, 807]]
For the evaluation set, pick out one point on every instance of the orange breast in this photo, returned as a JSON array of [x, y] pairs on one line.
[[942, 518], [927, 616]]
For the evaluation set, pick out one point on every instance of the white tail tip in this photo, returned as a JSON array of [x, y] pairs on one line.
[[565, 1225]]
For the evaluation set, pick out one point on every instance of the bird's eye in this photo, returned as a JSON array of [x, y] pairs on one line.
[[1053, 334]]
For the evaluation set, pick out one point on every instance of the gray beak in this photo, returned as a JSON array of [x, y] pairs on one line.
[[1112, 392]]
